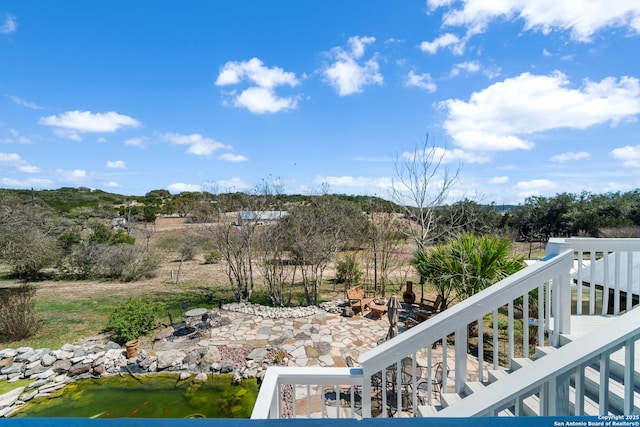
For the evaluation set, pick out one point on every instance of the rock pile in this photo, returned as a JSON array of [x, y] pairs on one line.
[[50, 370]]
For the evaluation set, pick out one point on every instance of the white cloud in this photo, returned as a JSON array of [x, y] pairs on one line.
[[254, 70], [198, 144], [535, 187], [468, 66], [358, 45], [112, 184], [446, 40], [26, 183], [15, 138], [179, 187], [233, 184], [498, 180], [423, 81], [72, 123], [260, 98], [355, 182], [499, 117], [116, 164], [570, 156], [23, 103], [75, 175], [139, 141], [9, 25], [445, 155], [233, 157], [346, 74], [630, 155], [582, 18], [14, 161]]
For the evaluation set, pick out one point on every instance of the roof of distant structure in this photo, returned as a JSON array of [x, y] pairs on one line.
[[262, 215]]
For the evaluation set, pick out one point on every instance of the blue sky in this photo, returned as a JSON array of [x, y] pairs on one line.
[[528, 97]]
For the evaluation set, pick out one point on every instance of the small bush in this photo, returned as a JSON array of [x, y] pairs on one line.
[[125, 263], [212, 257], [348, 271], [18, 317], [133, 319]]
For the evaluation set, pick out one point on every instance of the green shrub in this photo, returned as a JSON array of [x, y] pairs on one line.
[[101, 261], [348, 271], [133, 319], [18, 317], [212, 257]]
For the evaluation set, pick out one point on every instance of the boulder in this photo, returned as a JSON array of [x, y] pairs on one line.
[[257, 355], [48, 359], [210, 355], [170, 359]]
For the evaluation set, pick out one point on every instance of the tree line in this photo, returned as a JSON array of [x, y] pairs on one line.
[[362, 236]]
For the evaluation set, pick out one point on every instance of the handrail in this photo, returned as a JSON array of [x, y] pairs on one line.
[[455, 320], [465, 312], [618, 332], [267, 404], [548, 281]]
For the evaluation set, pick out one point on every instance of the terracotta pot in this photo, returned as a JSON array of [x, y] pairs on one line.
[[132, 348], [409, 296]]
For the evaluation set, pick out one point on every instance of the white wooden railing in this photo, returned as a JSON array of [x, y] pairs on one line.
[[549, 377], [538, 300]]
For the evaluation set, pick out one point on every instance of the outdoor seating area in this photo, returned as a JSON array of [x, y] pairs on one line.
[[428, 388]]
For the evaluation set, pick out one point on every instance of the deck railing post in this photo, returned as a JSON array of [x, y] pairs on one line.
[[460, 352]]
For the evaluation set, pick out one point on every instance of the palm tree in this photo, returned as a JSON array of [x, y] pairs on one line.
[[466, 265]]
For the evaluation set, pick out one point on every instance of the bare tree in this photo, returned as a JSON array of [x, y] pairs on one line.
[[236, 243], [319, 230], [385, 233], [422, 183]]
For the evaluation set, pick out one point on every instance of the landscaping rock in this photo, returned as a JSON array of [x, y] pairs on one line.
[[257, 354], [170, 359], [48, 359]]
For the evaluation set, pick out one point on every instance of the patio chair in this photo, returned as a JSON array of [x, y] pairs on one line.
[[359, 298], [436, 384], [428, 308]]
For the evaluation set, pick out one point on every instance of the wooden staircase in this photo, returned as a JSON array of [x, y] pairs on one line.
[[531, 405]]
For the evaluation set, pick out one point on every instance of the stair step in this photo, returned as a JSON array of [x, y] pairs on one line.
[[542, 351], [471, 387], [427, 410], [496, 374], [616, 390], [520, 362], [448, 399]]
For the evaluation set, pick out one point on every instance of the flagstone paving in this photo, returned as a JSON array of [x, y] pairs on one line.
[[323, 339]]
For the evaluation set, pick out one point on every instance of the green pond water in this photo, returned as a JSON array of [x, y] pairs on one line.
[[148, 396]]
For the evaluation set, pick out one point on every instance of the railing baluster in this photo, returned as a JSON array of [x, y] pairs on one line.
[[445, 366], [592, 284], [496, 340], [511, 332], [383, 376], [578, 409], [525, 325], [579, 284], [629, 375], [616, 292], [629, 290], [480, 349], [542, 320], [606, 283], [603, 392], [429, 376]]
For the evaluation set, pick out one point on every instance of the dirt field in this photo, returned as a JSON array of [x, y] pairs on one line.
[[75, 309]]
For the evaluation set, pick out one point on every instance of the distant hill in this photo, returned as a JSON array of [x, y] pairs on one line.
[[69, 199]]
